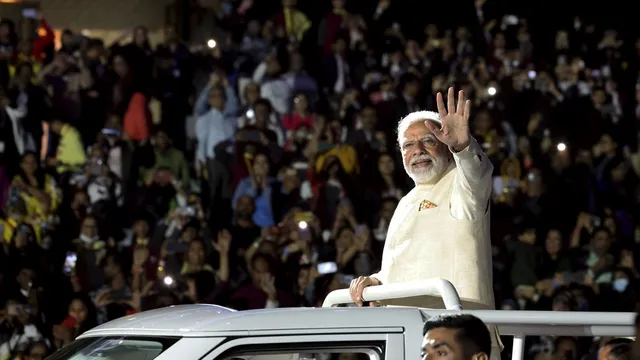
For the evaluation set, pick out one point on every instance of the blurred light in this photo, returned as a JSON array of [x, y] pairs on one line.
[[168, 280], [303, 225], [86, 32], [211, 43], [250, 114], [562, 147], [10, 1], [532, 74], [491, 91]]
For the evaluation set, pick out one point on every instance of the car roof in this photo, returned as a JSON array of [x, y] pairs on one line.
[[203, 320]]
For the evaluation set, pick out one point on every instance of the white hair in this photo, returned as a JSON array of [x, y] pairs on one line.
[[415, 117], [438, 164]]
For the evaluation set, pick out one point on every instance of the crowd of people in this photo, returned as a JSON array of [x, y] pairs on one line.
[[261, 169]]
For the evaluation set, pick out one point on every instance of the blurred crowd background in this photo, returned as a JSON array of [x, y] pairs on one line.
[[258, 167]]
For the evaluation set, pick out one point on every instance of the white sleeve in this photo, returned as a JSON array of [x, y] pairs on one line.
[[472, 186]]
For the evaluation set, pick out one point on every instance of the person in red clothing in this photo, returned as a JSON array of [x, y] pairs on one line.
[[81, 316], [34, 49], [137, 119], [331, 25], [301, 115]]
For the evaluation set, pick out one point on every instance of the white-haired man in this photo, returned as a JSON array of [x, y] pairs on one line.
[[441, 228]]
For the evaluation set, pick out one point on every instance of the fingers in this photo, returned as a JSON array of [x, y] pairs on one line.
[[435, 128], [352, 290], [460, 107], [359, 290], [440, 103], [355, 290], [467, 109], [451, 101]]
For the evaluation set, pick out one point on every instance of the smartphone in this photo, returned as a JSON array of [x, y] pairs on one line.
[[511, 20], [96, 167], [111, 132], [29, 13], [327, 268], [189, 211], [15, 309], [70, 263]]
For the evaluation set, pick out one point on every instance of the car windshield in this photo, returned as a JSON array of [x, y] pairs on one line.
[[114, 348]]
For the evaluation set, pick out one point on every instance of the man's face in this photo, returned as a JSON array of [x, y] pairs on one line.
[[89, 227], [162, 140], [261, 112], [111, 269], [424, 157], [252, 92], [25, 278], [441, 343], [259, 269], [244, 207]]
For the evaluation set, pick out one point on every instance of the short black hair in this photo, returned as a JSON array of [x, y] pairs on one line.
[[471, 332], [620, 352], [618, 341], [264, 102]]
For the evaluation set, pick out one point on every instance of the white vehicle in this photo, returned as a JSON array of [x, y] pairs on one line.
[[207, 332]]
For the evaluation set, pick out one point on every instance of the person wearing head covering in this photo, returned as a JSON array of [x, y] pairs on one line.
[[440, 229]]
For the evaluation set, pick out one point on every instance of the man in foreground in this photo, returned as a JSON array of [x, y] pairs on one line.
[[456, 337], [441, 228]]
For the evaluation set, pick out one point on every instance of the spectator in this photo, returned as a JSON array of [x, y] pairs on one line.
[[291, 119], [463, 336]]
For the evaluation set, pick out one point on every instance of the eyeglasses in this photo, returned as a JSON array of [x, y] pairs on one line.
[[428, 142]]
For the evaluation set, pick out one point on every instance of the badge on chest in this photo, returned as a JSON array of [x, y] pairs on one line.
[[426, 204]]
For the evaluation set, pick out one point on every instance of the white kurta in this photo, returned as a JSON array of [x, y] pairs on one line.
[[449, 241]]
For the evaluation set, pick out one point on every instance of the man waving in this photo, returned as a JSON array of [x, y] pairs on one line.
[[441, 228]]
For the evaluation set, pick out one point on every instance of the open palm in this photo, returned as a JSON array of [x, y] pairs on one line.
[[454, 131]]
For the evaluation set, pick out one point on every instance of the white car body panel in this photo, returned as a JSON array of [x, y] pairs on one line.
[[209, 332]]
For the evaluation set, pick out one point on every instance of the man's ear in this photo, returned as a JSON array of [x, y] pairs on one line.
[[480, 356]]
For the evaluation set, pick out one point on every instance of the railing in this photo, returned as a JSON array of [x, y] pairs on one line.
[[518, 324], [439, 287]]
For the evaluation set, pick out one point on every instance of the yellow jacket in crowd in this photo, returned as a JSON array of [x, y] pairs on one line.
[[70, 153]]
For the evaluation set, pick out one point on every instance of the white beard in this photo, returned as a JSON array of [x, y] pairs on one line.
[[425, 175]]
